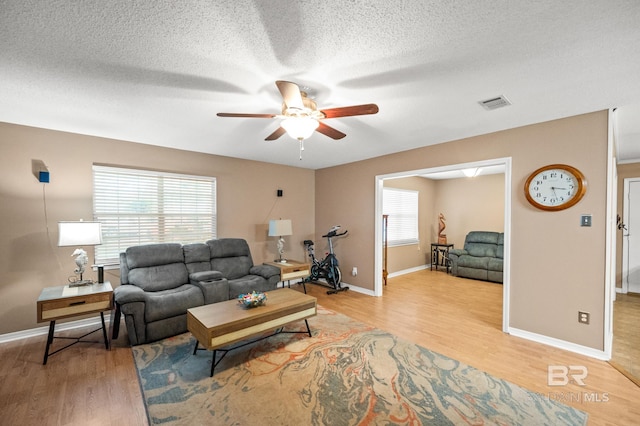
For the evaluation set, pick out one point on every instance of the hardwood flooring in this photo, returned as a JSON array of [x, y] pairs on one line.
[[460, 318], [625, 355]]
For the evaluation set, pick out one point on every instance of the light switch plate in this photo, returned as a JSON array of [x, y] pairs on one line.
[[585, 220]]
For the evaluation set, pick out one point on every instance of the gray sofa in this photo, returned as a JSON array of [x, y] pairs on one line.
[[159, 282], [481, 258]]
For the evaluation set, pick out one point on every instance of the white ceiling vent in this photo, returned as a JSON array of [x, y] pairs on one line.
[[495, 103]]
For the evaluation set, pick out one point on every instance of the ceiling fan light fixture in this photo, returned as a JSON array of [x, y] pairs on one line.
[[300, 127]]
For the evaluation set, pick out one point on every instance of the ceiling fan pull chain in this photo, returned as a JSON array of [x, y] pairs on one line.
[[301, 147]]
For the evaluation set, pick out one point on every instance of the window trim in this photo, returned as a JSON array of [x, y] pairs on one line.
[[409, 240], [160, 201]]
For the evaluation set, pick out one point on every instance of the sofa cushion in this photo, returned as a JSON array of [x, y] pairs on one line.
[[487, 237], [154, 254], [231, 256], [159, 278], [500, 252], [495, 264], [197, 257], [248, 284], [170, 303], [205, 276], [481, 250], [473, 262]]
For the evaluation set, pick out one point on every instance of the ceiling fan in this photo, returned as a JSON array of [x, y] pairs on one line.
[[301, 117]]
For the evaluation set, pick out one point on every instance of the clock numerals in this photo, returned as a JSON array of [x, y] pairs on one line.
[[555, 187]]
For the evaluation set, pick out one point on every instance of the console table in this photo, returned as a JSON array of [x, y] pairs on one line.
[[440, 255]]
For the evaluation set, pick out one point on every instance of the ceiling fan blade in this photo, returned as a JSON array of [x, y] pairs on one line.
[[275, 135], [330, 131], [290, 94], [350, 110], [243, 115]]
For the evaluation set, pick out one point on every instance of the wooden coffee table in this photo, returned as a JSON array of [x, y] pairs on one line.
[[218, 325]]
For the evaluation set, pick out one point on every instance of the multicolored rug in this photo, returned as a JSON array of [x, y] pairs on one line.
[[346, 374]]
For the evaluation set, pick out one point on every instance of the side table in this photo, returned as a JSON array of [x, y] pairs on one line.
[[440, 255], [60, 302], [292, 269]]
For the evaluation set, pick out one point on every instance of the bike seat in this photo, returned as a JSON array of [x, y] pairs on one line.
[[308, 242]]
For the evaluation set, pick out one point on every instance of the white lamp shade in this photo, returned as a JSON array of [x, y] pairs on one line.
[[79, 233], [278, 228]]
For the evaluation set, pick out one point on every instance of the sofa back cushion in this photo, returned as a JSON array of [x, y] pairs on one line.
[[197, 257], [156, 267], [482, 243], [231, 256], [500, 253]]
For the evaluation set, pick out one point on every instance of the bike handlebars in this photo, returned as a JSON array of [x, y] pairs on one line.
[[333, 233]]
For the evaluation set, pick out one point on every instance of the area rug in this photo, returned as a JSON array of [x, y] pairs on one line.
[[347, 373]]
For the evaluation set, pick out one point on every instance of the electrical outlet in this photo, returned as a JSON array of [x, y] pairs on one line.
[[354, 271], [583, 317]]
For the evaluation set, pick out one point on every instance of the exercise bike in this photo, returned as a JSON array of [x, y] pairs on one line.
[[326, 268]]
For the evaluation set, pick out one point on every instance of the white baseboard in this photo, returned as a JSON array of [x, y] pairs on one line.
[[39, 331], [408, 271], [360, 289], [560, 344]]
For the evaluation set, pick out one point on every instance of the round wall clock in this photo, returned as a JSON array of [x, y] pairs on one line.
[[555, 187]]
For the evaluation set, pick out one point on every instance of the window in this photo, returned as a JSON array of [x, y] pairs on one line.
[[142, 207], [402, 207]]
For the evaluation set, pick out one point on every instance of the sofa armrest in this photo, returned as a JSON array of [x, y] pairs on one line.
[[128, 294], [205, 276], [214, 290], [265, 271], [457, 252]]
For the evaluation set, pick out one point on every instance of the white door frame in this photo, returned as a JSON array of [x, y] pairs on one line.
[[506, 162], [625, 240]]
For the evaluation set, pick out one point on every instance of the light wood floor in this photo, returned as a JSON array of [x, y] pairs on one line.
[[625, 355], [86, 385]]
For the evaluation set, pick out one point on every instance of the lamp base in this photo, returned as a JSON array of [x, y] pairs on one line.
[[281, 260], [80, 283]]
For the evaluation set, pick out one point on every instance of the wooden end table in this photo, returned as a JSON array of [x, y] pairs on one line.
[[61, 302], [292, 269]]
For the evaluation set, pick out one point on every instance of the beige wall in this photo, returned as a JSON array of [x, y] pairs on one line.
[[29, 211], [469, 204], [557, 267], [481, 197]]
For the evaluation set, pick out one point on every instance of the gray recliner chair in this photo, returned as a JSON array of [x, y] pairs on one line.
[[155, 292], [481, 258]]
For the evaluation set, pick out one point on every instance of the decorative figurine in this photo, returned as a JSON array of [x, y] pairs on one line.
[[442, 238], [81, 261]]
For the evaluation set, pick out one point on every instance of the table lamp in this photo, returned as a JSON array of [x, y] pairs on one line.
[[280, 228], [79, 234]]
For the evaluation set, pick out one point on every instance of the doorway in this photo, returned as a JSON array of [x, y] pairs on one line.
[[631, 237], [504, 162]]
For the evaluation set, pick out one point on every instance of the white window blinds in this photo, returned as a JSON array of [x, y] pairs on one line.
[[402, 207], [142, 207]]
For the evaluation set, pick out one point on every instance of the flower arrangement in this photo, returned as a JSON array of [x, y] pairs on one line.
[[251, 300]]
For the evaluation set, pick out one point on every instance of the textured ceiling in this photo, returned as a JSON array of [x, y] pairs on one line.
[[157, 72]]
